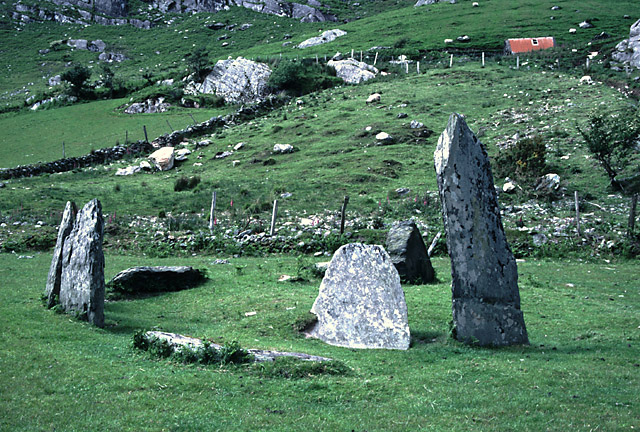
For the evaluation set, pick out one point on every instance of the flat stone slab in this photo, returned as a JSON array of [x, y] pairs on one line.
[[179, 342], [146, 280], [361, 303]]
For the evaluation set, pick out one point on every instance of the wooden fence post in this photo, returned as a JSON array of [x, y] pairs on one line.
[[168, 124], [375, 60], [517, 62], [343, 213], [418, 68], [575, 196], [146, 139], [434, 242], [63, 151], [273, 217], [451, 61], [632, 214], [483, 59], [212, 217]]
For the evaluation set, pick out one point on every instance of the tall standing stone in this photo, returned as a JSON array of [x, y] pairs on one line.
[[486, 300], [409, 254], [82, 277], [55, 271], [361, 303]]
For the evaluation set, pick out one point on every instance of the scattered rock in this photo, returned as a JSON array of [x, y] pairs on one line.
[[572, 30], [409, 254], [384, 138], [163, 158], [486, 299], [415, 124], [283, 148], [402, 115], [627, 52], [325, 37], [80, 44], [148, 280], [361, 303], [112, 57], [181, 155], [509, 187], [463, 38], [585, 25], [429, 2], [128, 170], [54, 81], [150, 106], [353, 71], [586, 80], [548, 183], [145, 165]]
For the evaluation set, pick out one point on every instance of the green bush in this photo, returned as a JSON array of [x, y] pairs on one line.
[[183, 183], [524, 161], [77, 77], [298, 78]]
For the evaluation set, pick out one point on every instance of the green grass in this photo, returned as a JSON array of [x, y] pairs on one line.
[[580, 372], [38, 136]]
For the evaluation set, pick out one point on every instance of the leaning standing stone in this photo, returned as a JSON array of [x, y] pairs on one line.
[[408, 253], [361, 303], [55, 271], [486, 300], [82, 282]]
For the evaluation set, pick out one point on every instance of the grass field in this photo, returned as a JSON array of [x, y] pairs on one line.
[[579, 373]]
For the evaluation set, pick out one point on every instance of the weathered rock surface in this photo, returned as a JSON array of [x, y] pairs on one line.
[[361, 303], [107, 7], [111, 57], [130, 170], [144, 280], [283, 148], [82, 276], [179, 342], [237, 81], [409, 254], [486, 299], [55, 271], [326, 37], [627, 52], [353, 71], [163, 158], [150, 106]]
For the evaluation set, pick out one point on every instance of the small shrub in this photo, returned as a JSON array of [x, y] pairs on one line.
[[524, 161], [183, 183], [298, 78]]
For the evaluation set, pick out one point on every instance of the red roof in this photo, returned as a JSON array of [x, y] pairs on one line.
[[523, 45]]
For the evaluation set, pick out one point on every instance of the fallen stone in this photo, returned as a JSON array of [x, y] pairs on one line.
[[486, 299], [128, 170], [409, 254], [179, 342], [163, 158], [361, 303], [148, 280], [55, 270], [82, 276], [373, 98], [181, 155]]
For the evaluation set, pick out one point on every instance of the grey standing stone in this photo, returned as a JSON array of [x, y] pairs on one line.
[[55, 271], [486, 300], [361, 303], [408, 253], [82, 282]]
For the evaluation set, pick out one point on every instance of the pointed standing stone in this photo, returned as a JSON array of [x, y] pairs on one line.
[[409, 254], [55, 271], [486, 300], [82, 278], [361, 303]]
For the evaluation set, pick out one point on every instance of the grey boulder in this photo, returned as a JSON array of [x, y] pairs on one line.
[[147, 280], [353, 71], [237, 81], [361, 303], [627, 52], [409, 254]]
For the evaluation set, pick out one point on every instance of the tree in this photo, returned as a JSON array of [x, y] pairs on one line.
[[198, 63], [611, 140], [77, 77], [107, 78]]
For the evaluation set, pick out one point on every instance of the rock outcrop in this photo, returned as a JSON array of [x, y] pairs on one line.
[[325, 37], [429, 2], [81, 273], [627, 52], [353, 71], [361, 303], [145, 280], [116, 8], [150, 106], [237, 81], [55, 271], [486, 299], [409, 254]]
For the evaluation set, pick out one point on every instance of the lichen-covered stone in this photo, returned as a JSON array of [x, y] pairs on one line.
[[486, 300], [82, 279], [361, 303], [55, 271], [408, 253], [237, 81], [353, 71]]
